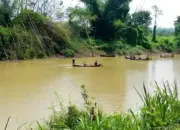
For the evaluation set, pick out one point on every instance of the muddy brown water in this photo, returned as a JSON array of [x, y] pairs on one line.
[[27, 87]]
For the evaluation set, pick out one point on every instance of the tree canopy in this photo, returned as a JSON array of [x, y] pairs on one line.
[[141, 18]]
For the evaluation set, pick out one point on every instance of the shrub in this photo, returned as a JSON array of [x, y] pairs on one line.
[[5, 34], [72, 116], [167, 44], [29, 19], [113, 47], [123, 49], [137, 50], [32, 35], [40, 55], [69, 53], [5, 38], [30, 53]]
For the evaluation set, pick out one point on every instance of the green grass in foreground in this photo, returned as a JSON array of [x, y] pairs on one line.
[[160, 111]]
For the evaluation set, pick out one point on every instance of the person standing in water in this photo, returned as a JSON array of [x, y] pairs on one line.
[[73, 61]]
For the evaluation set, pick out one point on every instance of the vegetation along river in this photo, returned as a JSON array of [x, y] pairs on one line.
[[27, 87]]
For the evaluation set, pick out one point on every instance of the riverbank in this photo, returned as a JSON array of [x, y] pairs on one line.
[[96, 54], [159, 111]]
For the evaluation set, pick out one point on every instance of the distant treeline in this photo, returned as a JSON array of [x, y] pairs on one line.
[[164, 31]]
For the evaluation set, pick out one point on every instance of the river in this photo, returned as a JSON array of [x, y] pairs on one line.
[[27, 87]]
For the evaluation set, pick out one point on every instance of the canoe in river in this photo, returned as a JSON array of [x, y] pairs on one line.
[[107, 55], [142, 59], [87, 65]]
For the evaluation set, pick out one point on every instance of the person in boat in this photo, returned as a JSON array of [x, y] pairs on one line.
[[126, 57], [133, 57], [85, 64], [96, 63], [73, 61], [148, 57]]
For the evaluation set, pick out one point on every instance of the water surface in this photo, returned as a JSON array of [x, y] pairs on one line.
[[27, 87]]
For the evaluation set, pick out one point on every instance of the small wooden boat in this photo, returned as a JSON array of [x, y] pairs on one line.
[[100, 65], [107, 55], [142, 59]]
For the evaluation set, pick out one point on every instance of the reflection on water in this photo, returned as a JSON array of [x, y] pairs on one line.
[[27, 88], [161, 71]]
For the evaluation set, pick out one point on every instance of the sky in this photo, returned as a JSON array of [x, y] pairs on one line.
[[170, 9]]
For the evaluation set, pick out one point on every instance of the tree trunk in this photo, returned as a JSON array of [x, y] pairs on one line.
[[154, 34]]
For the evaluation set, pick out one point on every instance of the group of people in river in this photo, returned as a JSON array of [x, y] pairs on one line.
[[84, 64], [166, 55], [133, 57]]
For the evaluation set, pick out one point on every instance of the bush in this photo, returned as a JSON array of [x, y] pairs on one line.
[[5, 39], [40, 55], [114, 47], [128, 50], [73, 116], [166, 44], [33, 35], [29, 19], [5, 34], [123, 49], [137, 50], [69, 53]]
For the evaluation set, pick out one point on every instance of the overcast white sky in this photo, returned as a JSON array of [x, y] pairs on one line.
[[170, 8]]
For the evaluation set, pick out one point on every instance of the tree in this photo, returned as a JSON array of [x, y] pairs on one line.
[[45, 7], [112, 22], [141, 18], [177, 30], [177, 26], [81, 18], [8, 10], [106, 12], [157, 12]]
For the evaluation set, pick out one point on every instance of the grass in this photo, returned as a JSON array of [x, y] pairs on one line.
[[7, 123], [160, 111]]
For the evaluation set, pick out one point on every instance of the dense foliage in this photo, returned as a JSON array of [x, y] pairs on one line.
[[30, 34], [111, 22], [28, 29]]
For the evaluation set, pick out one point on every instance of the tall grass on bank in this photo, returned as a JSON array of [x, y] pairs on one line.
[[160, 111]]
